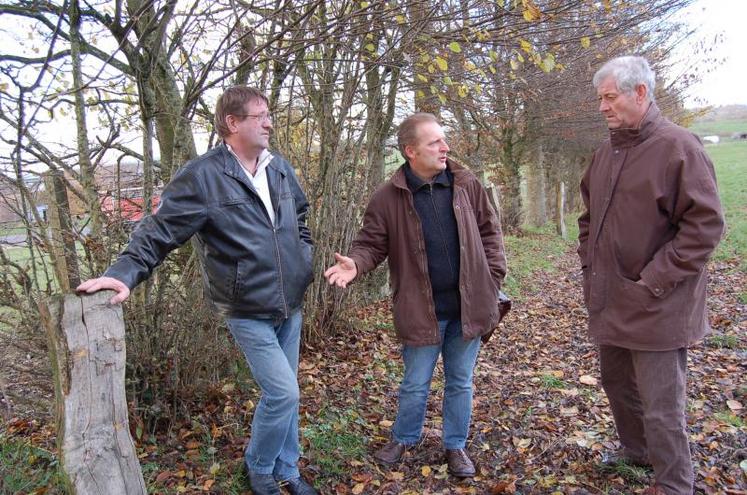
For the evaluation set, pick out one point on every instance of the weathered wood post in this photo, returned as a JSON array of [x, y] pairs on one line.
[[87, 351]]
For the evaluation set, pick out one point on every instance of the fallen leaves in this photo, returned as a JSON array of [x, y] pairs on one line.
[[539, 418], [587, 380]]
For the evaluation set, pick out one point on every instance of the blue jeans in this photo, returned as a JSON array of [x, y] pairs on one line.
[[271, 349], [459, 358]]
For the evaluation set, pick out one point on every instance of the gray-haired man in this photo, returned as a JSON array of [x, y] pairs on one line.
[[652, 220]]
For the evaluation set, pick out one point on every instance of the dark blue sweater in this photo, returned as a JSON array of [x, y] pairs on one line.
[[434, 204]]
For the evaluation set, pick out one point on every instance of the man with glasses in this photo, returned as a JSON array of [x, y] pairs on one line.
[[247, 212]]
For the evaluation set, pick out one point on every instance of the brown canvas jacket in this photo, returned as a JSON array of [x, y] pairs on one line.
[[391, 228], [652, 213]]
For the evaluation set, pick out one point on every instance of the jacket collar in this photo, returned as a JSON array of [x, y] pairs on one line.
[[415, 183], [458, 170], [232, 167], [629, 137]]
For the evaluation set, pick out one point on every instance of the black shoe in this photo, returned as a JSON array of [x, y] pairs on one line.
[[263, 484], [298, 486]]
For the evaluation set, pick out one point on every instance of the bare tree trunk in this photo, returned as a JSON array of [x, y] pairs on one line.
[[84, 156], [87, 351], [560, 210], [63, 253]]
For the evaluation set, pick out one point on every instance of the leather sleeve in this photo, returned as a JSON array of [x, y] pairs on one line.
[[181, 212]]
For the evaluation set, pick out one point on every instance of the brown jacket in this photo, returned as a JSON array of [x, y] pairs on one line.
[[391, 228], [652, 213]]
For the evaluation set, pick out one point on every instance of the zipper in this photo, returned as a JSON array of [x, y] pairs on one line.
[[280, 271], [440, 228], [274, 235]]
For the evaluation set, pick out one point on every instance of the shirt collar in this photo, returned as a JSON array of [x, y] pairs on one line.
[[262, 162]]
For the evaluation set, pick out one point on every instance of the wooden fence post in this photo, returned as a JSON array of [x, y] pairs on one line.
[[87, 351]]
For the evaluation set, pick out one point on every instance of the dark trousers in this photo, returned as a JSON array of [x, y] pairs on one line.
[[647, 395]]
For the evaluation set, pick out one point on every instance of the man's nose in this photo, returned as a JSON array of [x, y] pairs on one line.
[[603, 106], [444, 147]]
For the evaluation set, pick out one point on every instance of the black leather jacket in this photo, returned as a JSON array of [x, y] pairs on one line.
[[251, 269]]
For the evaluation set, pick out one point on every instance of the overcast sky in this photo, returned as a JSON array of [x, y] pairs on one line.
[[724, 84], [727, 83]]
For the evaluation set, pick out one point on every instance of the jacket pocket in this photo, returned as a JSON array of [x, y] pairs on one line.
[[238, 279], [308, 255], [237, 200], [638, 294], [641, 320], [223, 279]]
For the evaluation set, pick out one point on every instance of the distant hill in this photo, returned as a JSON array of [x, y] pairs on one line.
[[726, 112], [721, 121]]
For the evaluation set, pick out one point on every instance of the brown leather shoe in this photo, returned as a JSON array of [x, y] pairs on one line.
[[459, 463], [390, 453]]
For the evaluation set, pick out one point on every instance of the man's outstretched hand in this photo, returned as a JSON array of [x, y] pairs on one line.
[[102, 283], [342, 272]]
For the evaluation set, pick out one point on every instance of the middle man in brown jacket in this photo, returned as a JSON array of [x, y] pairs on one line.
[[434, 222]]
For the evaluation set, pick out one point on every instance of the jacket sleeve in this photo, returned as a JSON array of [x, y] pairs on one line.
[[491, 236], [181, 212], [370, 246], [696, 211], [584, 220]]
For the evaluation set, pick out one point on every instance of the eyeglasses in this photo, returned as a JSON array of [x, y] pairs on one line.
[[261, 117]]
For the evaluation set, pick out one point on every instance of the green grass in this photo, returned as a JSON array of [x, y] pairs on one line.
[[27, 469], [723, 128], [535, 250], [12, 229], [721, 341], [552, 382], [731, 419], [634, 474], [730, 161], [333, 441]]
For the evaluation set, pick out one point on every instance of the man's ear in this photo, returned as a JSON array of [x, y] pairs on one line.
[[641, 92], [408, 152], [231, 123]]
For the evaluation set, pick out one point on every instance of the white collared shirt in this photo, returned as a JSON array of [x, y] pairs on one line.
[[259, 179]]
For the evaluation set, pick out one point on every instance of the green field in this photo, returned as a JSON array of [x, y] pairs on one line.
[[722, 128], [730, 160]]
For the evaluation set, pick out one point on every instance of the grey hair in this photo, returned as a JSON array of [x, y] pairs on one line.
[[628, 72]]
